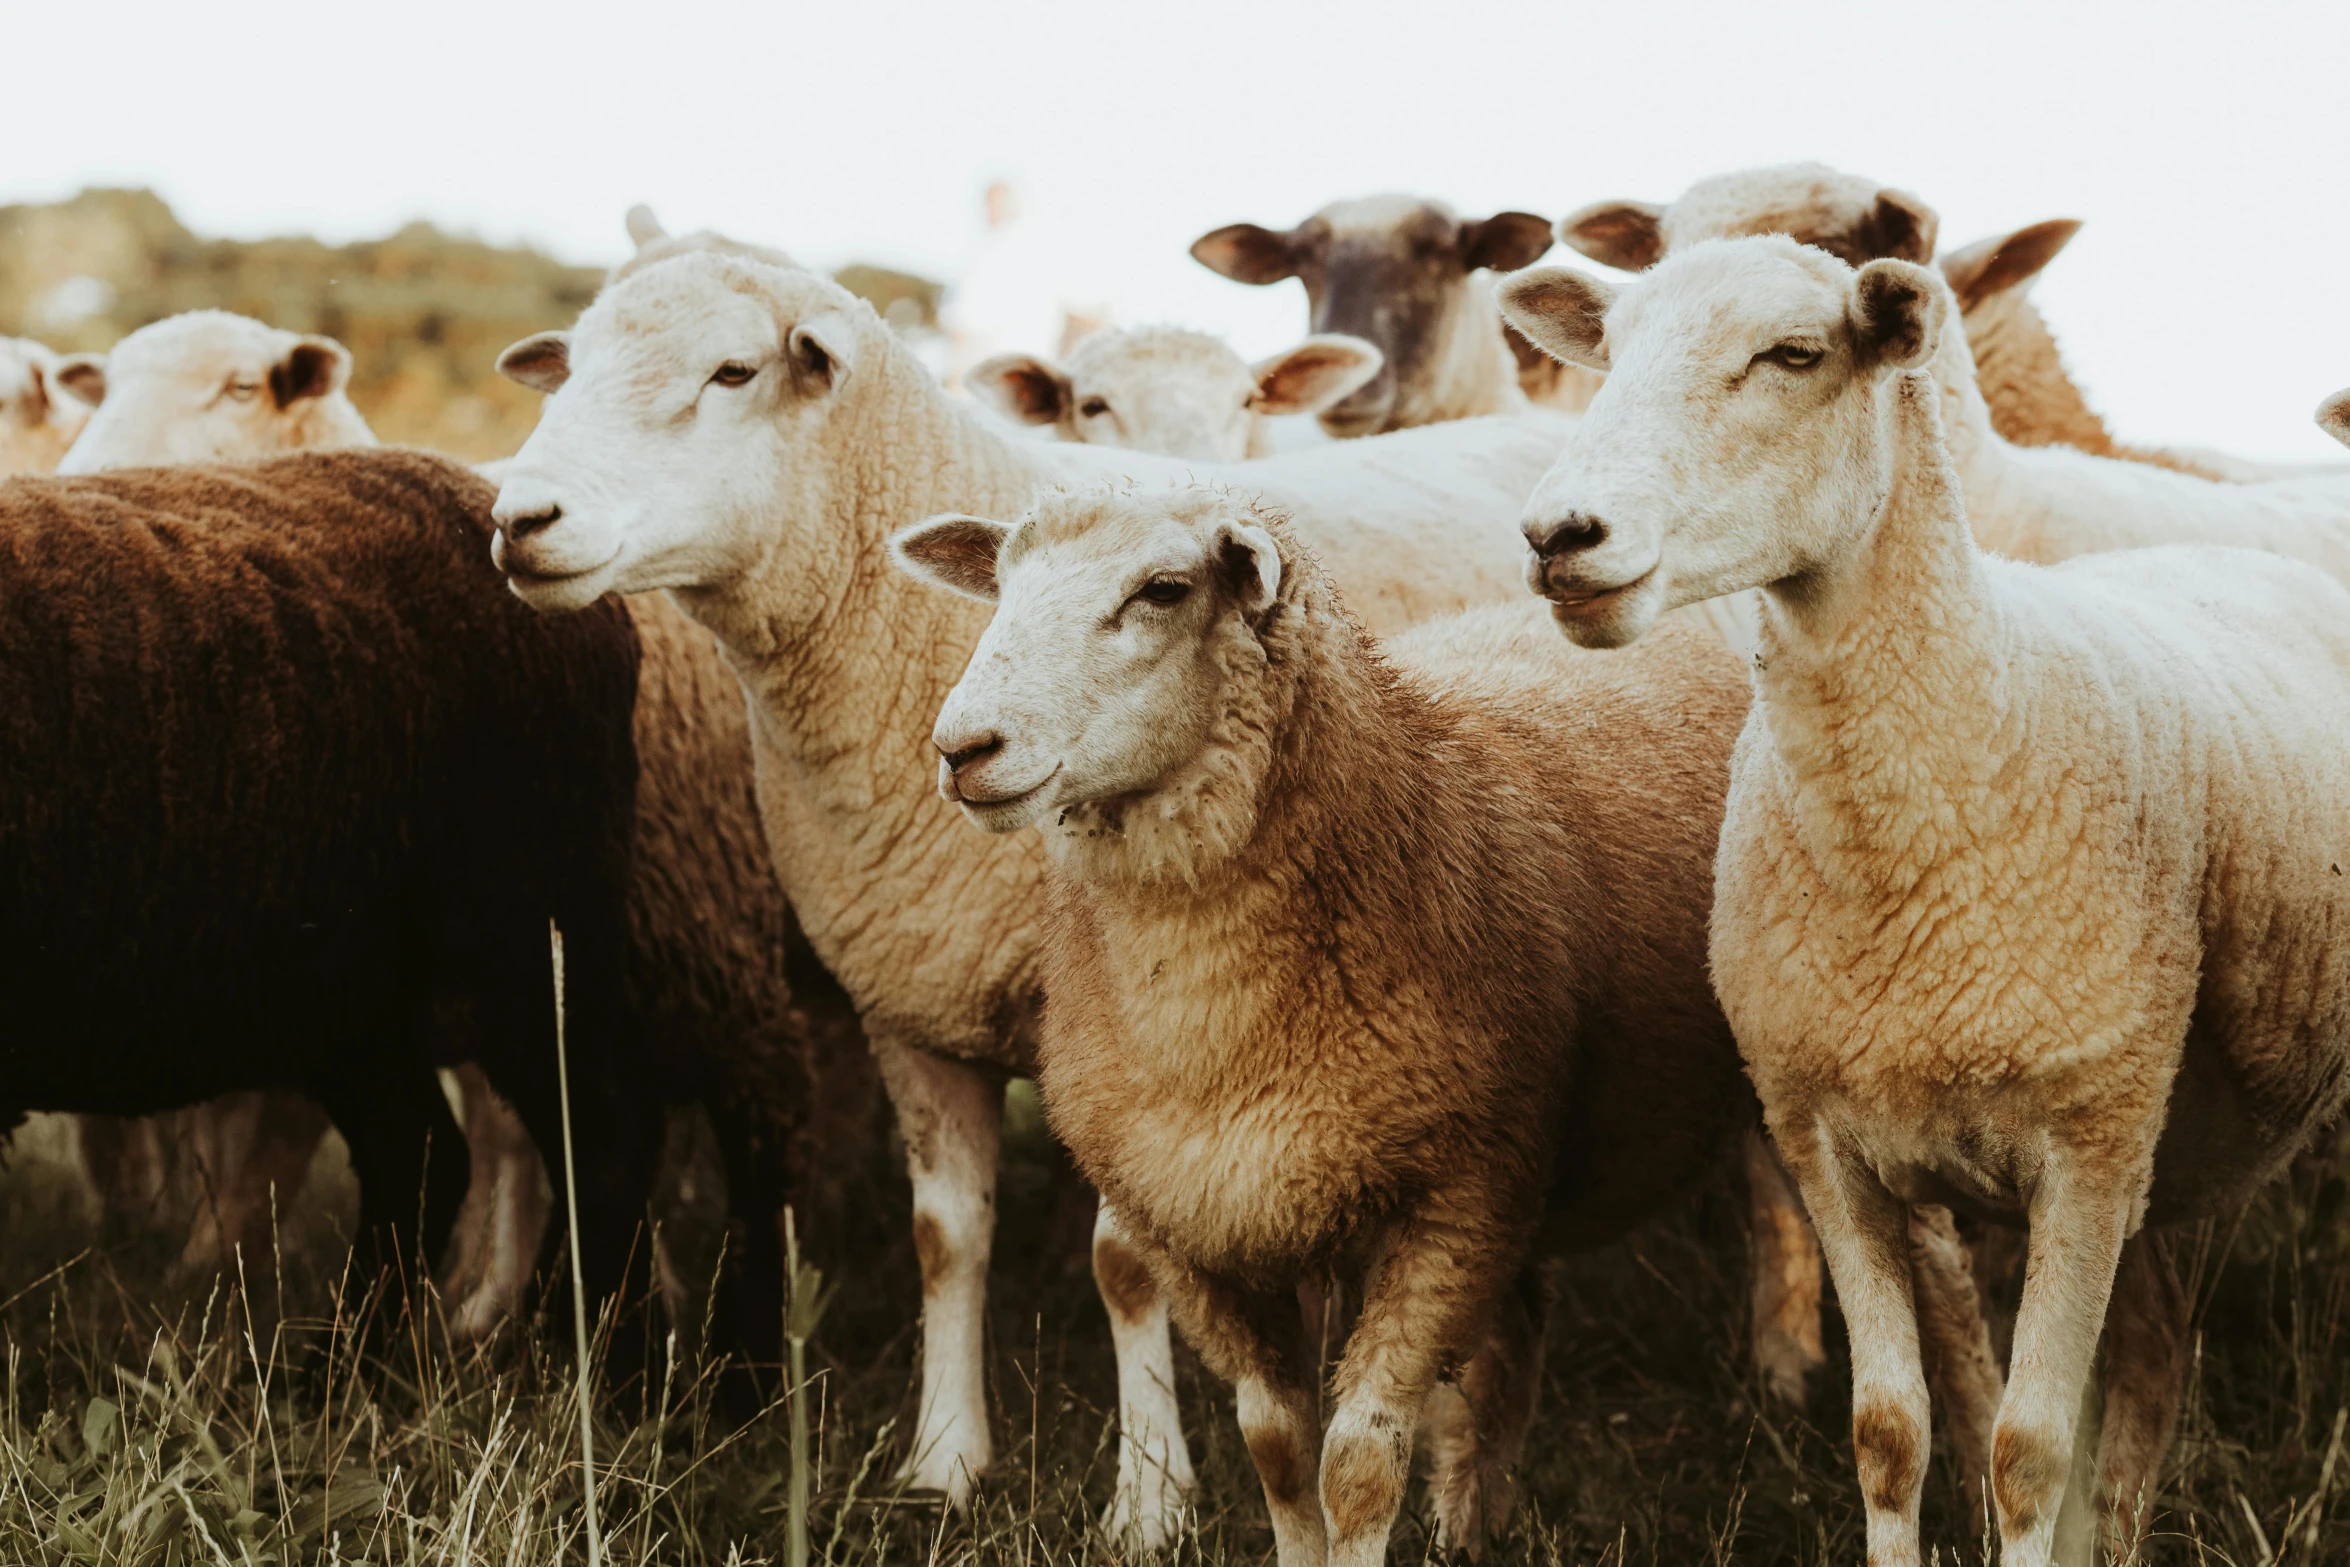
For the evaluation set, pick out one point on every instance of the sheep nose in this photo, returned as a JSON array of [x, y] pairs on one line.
[[1577, 530], [523, 524], [968, 753]]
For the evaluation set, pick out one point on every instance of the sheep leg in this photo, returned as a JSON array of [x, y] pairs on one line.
[[257, 1144], [1429, 1306], [2077, 1222], [1477, 1430], [405, 1150], [1786, 1263], [1155, 1480], [950, 1115], [1954, 1336], [1864, 1229], [2146, 1336], [1255, 1340]]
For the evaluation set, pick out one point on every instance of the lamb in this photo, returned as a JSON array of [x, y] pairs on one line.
[[294, 791], [1392, 959], [1409, 276], [207, 385], [39, 415], [814, 434], [2029, 877], [710, 936], [1177, 393]]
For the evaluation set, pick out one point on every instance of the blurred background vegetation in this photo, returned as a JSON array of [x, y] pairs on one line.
[[423, 312]]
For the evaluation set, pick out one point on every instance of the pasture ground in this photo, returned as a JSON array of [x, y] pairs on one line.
[[146, 1419]]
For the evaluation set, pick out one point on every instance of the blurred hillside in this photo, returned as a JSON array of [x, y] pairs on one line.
[[424, 313]]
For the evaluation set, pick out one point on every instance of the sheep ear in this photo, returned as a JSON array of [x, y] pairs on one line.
[[2333, 416], [1562, 312], [1992, 266], [314, 367], [1314, 374], [644, 228], [952, 551], [1900, 228], [542, 363], [1626, 235], [83, 375], [1248, 564], [1246, 253], [819, 349], [1896, 313], [1022, 387], [1505, 242]]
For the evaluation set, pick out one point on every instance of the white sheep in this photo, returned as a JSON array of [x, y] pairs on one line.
[[814, 433], [1177, 393], [2031, 881], [1413, 278], [1388, 958], [206, 385], [39, 414]]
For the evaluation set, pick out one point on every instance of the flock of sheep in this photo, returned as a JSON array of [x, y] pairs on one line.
[[1369, 939]]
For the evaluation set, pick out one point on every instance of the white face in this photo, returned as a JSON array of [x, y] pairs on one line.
[[1738, 441], [38, 417], [209, 387], [1193, 404], [684, 401], [1103, 671]]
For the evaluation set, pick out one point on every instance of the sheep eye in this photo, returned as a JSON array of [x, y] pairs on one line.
[[1093, 407], [1164, 591], [244, 391], [1795, 356], [733, 373]]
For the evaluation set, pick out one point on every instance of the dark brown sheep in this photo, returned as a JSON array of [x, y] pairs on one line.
[[293, 787]]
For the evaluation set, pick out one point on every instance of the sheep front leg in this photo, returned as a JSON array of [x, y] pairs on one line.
[[1428, 1309], [1254, 1339], [1154, 1467], [2077, 1218], [949, 1113], [1864, 1229], [1476, 1432], [1786, 1263]]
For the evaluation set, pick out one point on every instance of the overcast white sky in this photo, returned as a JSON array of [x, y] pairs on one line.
[[2202, 303]]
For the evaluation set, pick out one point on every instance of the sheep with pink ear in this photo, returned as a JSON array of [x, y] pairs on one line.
[[206, 385], [39, 414], [2029, 896], [1176, 393]]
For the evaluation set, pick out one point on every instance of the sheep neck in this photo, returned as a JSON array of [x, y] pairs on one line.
[[1240, 912], [1882, 676]]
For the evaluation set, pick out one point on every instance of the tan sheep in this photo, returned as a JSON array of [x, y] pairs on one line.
[[207, 385], [1388, 959], [1165, 390], [2030, 889], [39, 415]]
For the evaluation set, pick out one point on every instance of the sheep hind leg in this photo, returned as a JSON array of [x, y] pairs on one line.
[[1155, 1479], [2146, 1335], [1954, 1336], [1476, 1431], [1787, 1279], [950, 1115]]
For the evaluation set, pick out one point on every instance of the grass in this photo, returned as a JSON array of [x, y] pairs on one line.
[[292, 1413]]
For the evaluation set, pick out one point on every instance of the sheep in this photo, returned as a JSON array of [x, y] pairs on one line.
[[1409, 276], [39, 416], [814, 433], [710, 936], [1389, 958], [294, 790], [2033, 400], [1177, 393], [2333, 416], [2029, 876], [207, 385]]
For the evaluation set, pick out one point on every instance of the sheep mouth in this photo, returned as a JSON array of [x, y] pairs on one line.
[[1571, 605], [523, 575], [998, 802]]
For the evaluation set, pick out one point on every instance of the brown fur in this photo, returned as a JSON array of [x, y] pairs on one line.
[[1890, 1454], [1389, 939], [1125, 1279]]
